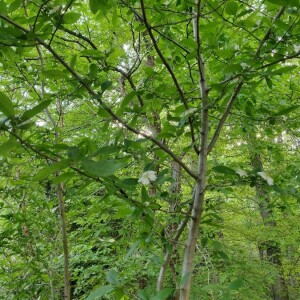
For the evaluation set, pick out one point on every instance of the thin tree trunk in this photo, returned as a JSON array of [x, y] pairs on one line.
[[67, 281], [200, 186]]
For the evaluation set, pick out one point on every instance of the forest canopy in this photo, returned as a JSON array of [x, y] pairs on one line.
[[149, 149]]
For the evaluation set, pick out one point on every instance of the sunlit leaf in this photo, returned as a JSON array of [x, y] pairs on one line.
[[71, 17], [35, 110]]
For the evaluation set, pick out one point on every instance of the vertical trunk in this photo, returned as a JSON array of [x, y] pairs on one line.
[[269, 247], [67, 287], [200, 186]]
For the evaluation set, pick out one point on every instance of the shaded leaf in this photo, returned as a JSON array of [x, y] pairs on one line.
[[105, 85], [112, 277], [164, 294], [94, 6], [6, 147], [236, 284], [15, 5], [282, 70], [46, 171], [102, 168], [55, 74], [285, 2], [287, 110], [231, 8], [224, 170], [6, 106], [132, 249]]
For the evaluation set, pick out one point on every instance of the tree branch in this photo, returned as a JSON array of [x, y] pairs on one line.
[[225, 115]]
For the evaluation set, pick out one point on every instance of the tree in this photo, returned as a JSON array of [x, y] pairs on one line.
[[101, 93]]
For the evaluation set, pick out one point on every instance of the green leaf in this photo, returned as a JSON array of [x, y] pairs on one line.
[[224, 170], [15, 5], [105, 85], [103, 113], [70, 18], [164, 294], [100, 292], [287, 110], [6, 106], [112, 277], [73, 61], [45, 172], [55, 74], [236, 284], [142, 295], [144, 194], [102, 168], [6, 147], [285, 2], [132, 249], [35, 110], [127, 99], [269, 82], [231, 8], [94, 6], [282, 70], [63, 177]]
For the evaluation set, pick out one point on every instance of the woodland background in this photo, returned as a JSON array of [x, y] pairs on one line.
[[149, 149]]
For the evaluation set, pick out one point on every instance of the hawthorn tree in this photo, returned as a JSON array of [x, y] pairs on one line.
[[122, 115]]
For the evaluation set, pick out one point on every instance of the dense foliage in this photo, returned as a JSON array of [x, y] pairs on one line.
[[149, 149]]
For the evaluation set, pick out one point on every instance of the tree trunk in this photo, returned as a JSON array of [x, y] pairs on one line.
[[200, 186]]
